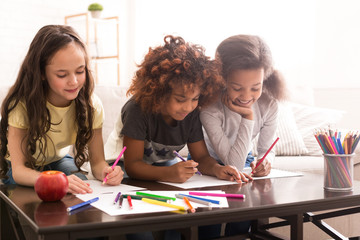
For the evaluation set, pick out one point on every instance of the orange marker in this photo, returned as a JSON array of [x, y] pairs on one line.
[[189, 205]]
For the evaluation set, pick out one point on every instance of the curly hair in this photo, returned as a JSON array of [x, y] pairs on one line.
[[176, 63], [30, 83], [244, 52]]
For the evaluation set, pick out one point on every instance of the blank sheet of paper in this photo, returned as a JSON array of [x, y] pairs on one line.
[[197, 181], [276, 173]]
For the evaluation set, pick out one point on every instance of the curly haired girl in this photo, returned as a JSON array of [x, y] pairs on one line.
[[49, 108], [172, 83]]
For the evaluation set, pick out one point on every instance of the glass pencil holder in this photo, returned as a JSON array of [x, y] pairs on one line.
[[338, 172]]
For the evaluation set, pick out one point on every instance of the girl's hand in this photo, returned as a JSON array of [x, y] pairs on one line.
[[262, 170], [114, 176], [231, 173], [182, 171], [76, 185], [243, 111]]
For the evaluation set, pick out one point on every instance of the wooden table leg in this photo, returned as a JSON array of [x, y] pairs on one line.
[[296, 226]]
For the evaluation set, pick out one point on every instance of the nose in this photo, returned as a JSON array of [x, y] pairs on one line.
[[189, 106], [72, 79], [245, 94]]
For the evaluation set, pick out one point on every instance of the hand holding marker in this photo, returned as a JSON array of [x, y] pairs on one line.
[[183, 159], [113, 166], [267, 152]]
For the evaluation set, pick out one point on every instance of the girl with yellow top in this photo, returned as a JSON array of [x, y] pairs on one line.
[[50, 108]]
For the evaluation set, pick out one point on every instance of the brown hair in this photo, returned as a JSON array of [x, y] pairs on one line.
[[243, 52], [30, 88], [173, 64]]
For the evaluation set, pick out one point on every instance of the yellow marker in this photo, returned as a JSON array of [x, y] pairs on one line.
[[163, 204]]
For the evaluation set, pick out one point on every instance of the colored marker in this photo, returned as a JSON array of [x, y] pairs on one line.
[[204, 199], [184, 160], [138, 197], [191, 199], [218, 194], [129, 201], [113, 166], [117, 197], [69, 209], [186, 200], [153, 195], [121, 200], [267, 152], [163, 204]]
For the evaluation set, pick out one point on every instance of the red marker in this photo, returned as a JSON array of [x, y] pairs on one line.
[[129, 201], [267, 152]]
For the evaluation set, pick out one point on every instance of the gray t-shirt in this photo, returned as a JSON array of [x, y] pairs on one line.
[[159, 138], [229, 137]]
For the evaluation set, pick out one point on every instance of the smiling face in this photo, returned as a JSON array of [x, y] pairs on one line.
[[66, 75], [180, 104], [244, 87]]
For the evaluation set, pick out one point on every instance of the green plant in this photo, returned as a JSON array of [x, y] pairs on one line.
[[95, 7]]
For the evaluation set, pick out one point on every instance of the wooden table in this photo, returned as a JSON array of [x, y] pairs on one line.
[[292, 199]]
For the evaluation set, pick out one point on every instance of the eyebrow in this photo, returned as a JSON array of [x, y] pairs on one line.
[[183, 96], [63, 70], [234, 83]]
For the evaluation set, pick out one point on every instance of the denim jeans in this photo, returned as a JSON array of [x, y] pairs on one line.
[[249, 159], [65, 165]]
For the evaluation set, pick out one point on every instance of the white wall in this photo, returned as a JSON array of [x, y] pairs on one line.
[[22, 19], [314, 42]]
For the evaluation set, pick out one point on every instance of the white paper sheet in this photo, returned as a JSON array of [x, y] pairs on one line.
[[197, 181], [100, 190], [276, 173], [106, 203]]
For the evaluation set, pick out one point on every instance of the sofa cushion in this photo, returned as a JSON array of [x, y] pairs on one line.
[[113, 98], [291, 142], [310, 118]]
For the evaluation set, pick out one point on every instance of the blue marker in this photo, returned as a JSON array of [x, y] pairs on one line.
[[69, 209], [203, 199]]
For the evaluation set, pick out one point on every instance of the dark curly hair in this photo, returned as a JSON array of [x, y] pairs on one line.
[[30, 88], [175, 63], [244, 52]]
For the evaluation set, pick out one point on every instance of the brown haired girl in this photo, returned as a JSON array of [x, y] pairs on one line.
[[248, 107], [51, 107]]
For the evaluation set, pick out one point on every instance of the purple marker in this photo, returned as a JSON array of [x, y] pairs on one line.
[[183, 159], [117, 197]]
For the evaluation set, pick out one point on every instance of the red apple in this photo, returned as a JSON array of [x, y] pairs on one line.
[[51, 185]]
